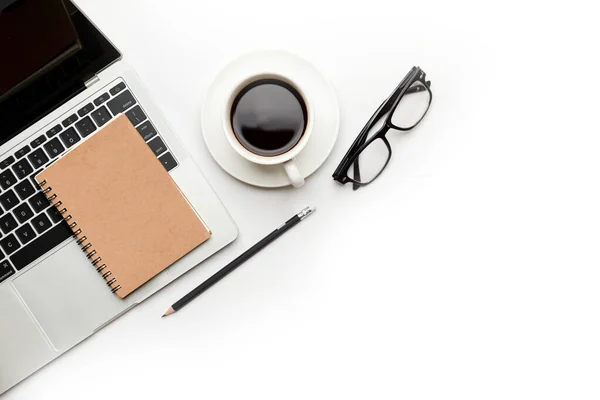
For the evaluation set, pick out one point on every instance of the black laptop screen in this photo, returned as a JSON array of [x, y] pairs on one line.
[[48, 49]]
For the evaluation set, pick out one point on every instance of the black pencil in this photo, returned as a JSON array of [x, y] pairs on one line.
[[239, 261]]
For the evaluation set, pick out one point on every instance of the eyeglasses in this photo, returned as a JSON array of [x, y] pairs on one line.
[[403, 110]]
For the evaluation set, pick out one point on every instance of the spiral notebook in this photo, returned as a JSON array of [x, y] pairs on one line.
[[124, 208]]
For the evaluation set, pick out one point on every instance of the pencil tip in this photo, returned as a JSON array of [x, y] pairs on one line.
[[169, 312]]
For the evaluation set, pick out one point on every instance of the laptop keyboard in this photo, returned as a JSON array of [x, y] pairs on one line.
[[29, 225]]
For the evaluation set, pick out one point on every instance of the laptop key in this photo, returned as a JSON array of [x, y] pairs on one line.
[[85, 109], [85, 126], [121, 103], [70, 137], [41, 245], [54, 215], [8, 223], [136, 115], [54, 147], [23, 212], [54, 131], [70, 120], [38, 141], [10, 244], [39, 202], [168, 161], [9, 200], [22, 168], [101, 116], [38, 158], [117, 88], [6, 162], [101, 99], [157, 146], [147, 130], [6, 270], [24, 189], [21, 152], [25, 234], [7, 179], [41, 223]]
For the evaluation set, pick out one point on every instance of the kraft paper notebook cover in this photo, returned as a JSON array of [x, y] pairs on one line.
[[126, 211]]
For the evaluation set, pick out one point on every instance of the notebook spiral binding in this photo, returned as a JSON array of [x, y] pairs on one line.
[[87, 247]]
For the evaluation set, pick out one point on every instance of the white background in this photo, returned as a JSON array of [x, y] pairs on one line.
[[469, 270]]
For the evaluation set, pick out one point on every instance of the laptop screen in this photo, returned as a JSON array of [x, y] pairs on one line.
[[48, 49]]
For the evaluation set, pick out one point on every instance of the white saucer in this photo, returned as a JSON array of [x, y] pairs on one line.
[[319, 93]]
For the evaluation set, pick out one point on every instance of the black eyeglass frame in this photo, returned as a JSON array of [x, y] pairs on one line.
[[387, 107]]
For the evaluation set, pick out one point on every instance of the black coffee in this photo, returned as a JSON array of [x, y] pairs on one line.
[[268, 117]]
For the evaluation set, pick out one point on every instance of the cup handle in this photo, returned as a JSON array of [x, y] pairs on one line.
[[291, 168]]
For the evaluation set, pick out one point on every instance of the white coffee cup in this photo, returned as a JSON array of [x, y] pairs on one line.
[[287, 159]]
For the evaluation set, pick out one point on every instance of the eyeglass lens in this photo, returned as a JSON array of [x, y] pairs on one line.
[[412, 107], [371, 161]]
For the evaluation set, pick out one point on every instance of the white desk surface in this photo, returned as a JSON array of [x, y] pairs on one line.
[[469, 270]]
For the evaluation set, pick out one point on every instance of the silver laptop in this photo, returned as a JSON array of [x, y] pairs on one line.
[[61, 81]]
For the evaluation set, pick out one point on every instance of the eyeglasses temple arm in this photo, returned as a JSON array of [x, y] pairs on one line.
[[356, 175]]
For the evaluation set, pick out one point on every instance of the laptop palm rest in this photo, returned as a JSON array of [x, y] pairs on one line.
[[69, 299], [23, 347]]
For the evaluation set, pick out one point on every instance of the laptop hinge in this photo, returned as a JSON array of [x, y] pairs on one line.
[[92, 81]]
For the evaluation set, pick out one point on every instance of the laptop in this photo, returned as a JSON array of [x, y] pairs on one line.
[[61, 81]]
